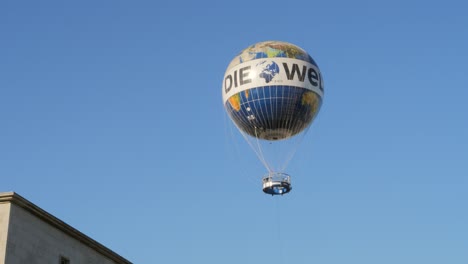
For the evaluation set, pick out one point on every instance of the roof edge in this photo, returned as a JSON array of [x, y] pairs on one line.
[[22, 202]]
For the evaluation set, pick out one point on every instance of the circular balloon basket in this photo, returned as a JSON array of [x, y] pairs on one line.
[[276, 183]]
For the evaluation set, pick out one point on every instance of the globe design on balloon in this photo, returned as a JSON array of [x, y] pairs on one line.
[[272, 90], [269, 72]]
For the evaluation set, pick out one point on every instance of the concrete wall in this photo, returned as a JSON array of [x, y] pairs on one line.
[[33, 241], [4, 219]]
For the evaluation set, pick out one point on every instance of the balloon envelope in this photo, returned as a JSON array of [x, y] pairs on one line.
[[272, 90]]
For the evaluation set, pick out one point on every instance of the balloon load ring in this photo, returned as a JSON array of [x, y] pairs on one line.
[[277, 183]]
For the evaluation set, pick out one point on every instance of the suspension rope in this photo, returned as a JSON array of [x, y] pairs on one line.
[[261, 155]]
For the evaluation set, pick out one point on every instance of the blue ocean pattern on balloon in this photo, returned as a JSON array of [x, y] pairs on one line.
[[274, 112]]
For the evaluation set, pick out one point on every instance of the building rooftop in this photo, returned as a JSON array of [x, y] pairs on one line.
[[14, 198]]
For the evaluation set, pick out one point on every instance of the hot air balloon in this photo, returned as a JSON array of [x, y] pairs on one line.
[[272, 91]]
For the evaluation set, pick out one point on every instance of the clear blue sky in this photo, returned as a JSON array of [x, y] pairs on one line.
[[111, 119]]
